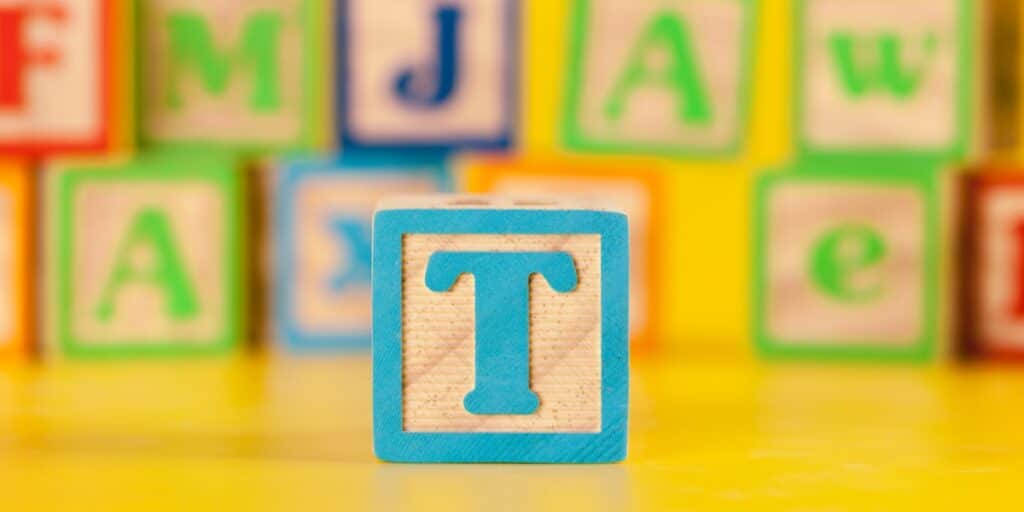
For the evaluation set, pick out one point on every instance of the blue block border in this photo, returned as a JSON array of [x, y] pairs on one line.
[[293, 172], [392, 443], [352, 142]]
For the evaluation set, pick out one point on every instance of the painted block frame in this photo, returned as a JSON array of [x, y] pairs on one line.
[[392, 443], [922, 350], [977, 189], [116, 92], [965, 102], [294, 336], [571, 134], [16, 178], [511, 105], [315, 123], [219, 170]]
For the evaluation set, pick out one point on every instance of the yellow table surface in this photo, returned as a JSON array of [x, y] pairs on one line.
[[290, 433]]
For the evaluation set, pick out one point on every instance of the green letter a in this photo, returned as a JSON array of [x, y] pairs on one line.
[[876, 62], [151, 229], [667, 32], [192, 43]]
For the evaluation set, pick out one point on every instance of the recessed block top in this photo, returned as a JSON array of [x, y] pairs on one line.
[[500, 330]]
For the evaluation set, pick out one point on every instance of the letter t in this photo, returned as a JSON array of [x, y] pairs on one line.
[[501, 282]]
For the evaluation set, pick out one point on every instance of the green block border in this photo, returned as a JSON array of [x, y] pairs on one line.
[[923, 350], [965, 118], [572, 136], [316, 16], [218, 170]]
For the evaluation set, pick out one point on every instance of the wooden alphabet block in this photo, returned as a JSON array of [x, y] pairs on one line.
[[499, 330], [885, 77], [323, 219], [632, 185], [16, 273], [847, 265], [146, 257], [234, 75], [994, 265], [62, 76], [670, 77], [421, 74]]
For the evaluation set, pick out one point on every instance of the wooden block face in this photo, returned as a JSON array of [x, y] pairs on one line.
[[633, 189], [230, 74], [884, 76], [148, 258], [500, 331], [438, 350], [325, 209], [15, 301], [56, 76], [997, 322], [427, 74], [846, 267], [667, 77]]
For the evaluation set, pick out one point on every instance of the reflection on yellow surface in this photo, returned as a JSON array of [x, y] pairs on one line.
[[704, 433]]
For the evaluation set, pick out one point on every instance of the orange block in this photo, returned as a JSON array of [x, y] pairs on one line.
[[15, 255], [634, 185]]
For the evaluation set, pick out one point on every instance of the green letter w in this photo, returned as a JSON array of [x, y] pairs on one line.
[[875, 63]]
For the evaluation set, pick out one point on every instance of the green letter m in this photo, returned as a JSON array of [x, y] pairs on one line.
[[192, 45]]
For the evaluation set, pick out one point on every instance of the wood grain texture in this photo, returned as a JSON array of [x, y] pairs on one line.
[[438, 340]]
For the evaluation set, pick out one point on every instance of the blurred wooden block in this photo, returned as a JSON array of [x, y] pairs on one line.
[[16, 250], [146, 257], [886, 77], [237, 75], [847, 264], [324, 210], [64, 77], [634, 186], [669, 77], [994, 265], [421, 74], [499, 330]]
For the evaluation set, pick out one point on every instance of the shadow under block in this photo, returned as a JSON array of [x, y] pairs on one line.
[[499, 331], [233, 75], [633, 186], [847, 265], [994, 266], [16, 224], [324, 210], [659, 77], [146, 258], [885, 77], [421, 74], [64, 77]]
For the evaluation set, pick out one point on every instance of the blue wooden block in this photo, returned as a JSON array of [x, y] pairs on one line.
[[323, 213], [427, 75], [500, 331]]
